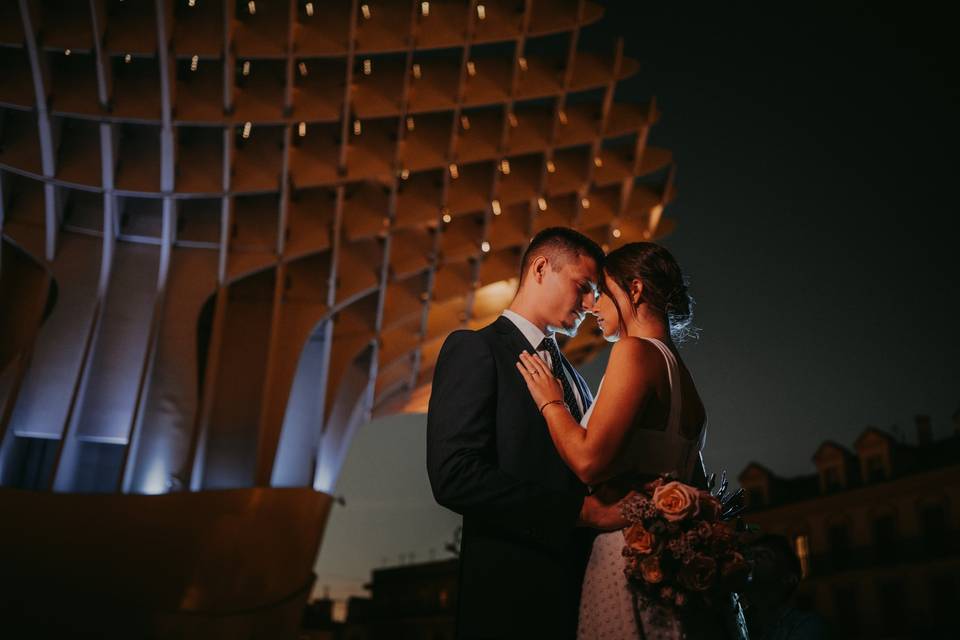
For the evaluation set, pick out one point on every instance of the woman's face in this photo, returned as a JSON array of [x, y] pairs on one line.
[[606, 309]]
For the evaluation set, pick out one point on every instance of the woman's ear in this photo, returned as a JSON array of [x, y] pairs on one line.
[[636, 292]]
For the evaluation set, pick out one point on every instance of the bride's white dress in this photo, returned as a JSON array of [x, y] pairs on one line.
[[607, 608]]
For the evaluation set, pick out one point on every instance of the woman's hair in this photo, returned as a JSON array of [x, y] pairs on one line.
[[664, 287]]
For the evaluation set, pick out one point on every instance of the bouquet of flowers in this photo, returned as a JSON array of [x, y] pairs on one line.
[[683, 543]]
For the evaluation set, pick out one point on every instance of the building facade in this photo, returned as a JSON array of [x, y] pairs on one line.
[[877, 531], [234, 230]]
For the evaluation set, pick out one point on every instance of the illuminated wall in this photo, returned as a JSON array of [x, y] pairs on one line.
[[234, 231]]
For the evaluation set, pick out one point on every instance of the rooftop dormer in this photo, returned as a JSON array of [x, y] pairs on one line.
[[875, 450], [834, 465], [757, 484]]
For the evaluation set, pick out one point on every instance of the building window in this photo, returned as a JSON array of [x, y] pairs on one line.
[[847, 617], [802, 546], [839, 546], [933, 522], [891, 606], [832, 479], [756, 497], [876, 469], [885, 539], [944, 601]]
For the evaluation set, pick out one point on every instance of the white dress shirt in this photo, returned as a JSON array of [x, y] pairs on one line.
[[535, 336]]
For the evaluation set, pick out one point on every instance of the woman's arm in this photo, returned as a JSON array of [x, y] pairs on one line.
[[628, 383]]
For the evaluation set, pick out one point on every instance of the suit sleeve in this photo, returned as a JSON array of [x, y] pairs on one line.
[[461, 451]]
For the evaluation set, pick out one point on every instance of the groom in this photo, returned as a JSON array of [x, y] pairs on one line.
[[527, 519]]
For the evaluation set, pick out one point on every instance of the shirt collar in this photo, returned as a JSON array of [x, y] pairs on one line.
[[529, 330]]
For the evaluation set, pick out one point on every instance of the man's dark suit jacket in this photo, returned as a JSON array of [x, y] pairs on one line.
[[491, 459]]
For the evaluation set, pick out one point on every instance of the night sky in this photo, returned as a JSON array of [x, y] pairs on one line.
[[816, 152]]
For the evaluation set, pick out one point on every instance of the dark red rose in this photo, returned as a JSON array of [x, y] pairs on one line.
[[734, 570], [698, 574], [723, 535], [709, 507]]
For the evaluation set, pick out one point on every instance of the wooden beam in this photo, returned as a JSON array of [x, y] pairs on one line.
[[98, 23]]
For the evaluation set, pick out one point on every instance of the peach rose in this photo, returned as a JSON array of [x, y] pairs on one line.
[[639, 539], [650, 570], [698, 574], [677, 501]]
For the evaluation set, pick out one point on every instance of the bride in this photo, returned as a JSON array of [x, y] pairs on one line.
[[647, 419]]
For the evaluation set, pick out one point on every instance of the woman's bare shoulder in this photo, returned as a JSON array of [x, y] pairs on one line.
[[635, 356]]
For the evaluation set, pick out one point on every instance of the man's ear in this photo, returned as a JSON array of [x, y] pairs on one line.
[[636, 291], [539, 268]]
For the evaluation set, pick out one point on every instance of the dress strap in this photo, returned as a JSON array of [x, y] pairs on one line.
[[673, 377]]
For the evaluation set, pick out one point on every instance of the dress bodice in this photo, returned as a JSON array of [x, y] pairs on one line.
[[650, 451]]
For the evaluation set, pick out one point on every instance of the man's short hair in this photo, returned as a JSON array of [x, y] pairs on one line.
[[560, 245]]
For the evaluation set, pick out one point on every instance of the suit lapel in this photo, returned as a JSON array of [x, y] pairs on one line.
[[514, 336]]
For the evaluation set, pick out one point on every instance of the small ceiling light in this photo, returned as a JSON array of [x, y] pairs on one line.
[[481, 12], [416, 71], [562, 115], [471, 69], [302, 129], [194, 61], [252, 7], [303, 68], [512, 118], [598, 161], [67, 52], [585, 203], [454, 171], [127, 58], [357, 127], [485, 246], [404, 174], [365, 10], [447, 218], [465, 123], [522, 62], [367, 67], [246, 67], [410, 123], [505, 167], [617, 233], [425, 9], [495, 205], [191, 3], [551, 168], [247, 127], [542, 203], [309, 8]]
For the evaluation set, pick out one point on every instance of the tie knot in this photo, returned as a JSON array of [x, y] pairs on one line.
[[549, 345]]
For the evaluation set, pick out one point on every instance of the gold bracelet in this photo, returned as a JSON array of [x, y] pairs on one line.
[[547, 404]]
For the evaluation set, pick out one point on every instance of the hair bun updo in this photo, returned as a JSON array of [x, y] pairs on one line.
[[664, 285]]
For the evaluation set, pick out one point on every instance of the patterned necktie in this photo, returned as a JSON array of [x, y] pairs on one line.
[[568, 396]]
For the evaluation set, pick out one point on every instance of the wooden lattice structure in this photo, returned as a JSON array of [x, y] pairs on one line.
[[233, 231]]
